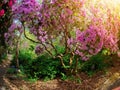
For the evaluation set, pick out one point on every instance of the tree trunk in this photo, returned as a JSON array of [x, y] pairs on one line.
[[17, 53]]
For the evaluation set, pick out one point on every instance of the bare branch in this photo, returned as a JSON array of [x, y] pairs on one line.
[[37, 42], [28, 37]]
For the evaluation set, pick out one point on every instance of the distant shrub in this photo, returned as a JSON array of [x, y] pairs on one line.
[[25, 57]]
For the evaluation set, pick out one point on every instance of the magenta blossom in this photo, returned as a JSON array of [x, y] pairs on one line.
[[10, 3], [2, 12]]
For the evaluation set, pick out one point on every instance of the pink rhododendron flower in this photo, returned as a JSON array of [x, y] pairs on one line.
[[10, 3], [2, 12]]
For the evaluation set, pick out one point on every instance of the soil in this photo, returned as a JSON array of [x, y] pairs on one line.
[[99, 81]]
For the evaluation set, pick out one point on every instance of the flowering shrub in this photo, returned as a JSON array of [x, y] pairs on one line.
[[89, 42], [102, 32], [24, 11], [2, 12], [5, 21], [81, 28]]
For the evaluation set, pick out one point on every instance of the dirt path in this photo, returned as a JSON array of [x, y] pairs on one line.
[[3, 70]]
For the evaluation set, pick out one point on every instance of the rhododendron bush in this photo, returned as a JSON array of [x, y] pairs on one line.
[[5, 11], [83, 27], [5, 22]]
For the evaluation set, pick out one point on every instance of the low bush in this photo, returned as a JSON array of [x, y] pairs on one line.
[[46, 68], [25, 57], [96, 63], [42, 67]]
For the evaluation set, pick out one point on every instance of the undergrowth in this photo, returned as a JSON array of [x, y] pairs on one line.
[[46, 68]]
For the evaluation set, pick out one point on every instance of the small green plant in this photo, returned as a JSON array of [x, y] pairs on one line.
[[3, 57], [11, 70], [74, 79], [45, 67], [25, 57], [63, 76], [96, 63], [71, 78], [31, 80]]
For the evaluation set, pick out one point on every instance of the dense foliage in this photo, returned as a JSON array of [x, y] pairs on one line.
[[46, 68]]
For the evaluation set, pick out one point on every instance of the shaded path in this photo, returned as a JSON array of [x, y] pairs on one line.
[[3, 69]]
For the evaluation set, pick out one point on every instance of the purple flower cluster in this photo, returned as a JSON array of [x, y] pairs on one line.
[[38, 49], [111, 42], [26, 10], [14, 30], [91, 41], [28, 14], [42, 35]]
